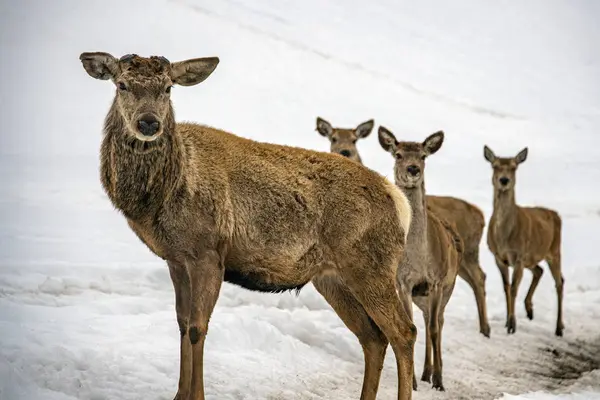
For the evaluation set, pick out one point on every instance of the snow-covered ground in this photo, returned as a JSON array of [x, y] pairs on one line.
[[86, 312]]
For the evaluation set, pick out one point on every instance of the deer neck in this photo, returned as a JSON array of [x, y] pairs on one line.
[[138, 176], [417, 234], [505, 208]]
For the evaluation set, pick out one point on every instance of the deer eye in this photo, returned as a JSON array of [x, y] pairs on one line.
[[423, 157], [168, 89], [398, 156], [354, 141], [122, 86], [333, 140]]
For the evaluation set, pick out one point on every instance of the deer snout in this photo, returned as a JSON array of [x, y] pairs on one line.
[[413, 170], [148, 125], [346, 153], [504, 181]]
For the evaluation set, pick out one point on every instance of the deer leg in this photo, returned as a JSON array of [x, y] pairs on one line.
[[555, 268], [428, 365], [517, 275], [503, 268], [406, 299], [434, 329], [537, 275], [206, 276], [472, 273], [371, 338], [181, 283], [377, 294]]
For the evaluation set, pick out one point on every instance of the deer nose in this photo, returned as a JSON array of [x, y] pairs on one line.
[[413, 170], [504, 181], [346, 153], [148, 125]]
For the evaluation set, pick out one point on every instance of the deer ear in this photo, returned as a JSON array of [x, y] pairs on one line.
[[324, 127], [100, 65], [192, 72], [433, 143], [387, 140], [522, 156], [489, 154], [363, 130]]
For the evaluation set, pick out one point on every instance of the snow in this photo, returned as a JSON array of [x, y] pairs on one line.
[[87, 312]]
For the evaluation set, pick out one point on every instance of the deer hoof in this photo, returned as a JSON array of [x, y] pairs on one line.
[[485, 331], [529, 310], [512, 325], [426, 377], [437, 382], [559, 331]]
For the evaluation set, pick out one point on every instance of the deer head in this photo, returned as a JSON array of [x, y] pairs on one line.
[[343, 141], [143, 86], [410, 156], [505, 168]]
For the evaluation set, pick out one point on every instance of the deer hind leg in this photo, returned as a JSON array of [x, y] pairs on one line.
[[371, 338], [181, 284], [555, 268], [503, 268], [375, 288], [206, 277], [537, 275], [476, 279]]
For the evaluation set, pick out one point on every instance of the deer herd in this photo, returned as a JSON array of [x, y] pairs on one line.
[[218, 207]]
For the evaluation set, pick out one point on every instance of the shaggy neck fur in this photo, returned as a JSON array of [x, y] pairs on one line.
[[505, 208], [139, 176], [417, 234]]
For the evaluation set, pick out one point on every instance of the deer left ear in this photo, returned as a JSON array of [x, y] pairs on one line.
[[192, 72], [522, 156], [324, 127], [433, 143], [363, 130]]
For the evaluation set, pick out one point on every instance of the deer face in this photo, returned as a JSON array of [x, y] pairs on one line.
[[343, 141], [505, 168], [143, 86], [410, 156]]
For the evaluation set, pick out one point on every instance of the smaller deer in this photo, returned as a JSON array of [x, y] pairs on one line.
[[521, 237], [466, 218], [343, 141], [433, 248]]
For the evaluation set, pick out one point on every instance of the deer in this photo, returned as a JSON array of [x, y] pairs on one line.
[[343, 140], [466, 218], [522, 237], [433, 251], [218, 207]]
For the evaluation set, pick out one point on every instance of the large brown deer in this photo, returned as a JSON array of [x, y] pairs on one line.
[[522, 237], [218, 207], [433, 248], [466, 218]]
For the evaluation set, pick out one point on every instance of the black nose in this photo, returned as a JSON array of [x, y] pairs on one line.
[[345, 153], [413, 170], [504, 181], [148, 125]]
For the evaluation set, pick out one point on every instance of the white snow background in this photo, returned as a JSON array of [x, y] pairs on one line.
[[87, 312]]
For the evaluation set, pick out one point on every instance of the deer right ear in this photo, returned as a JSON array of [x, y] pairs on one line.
[[324, 127], [489, 154], [387, 140], [100, 65]]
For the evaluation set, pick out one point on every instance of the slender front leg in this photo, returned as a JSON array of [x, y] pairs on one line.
[[206, 276], [503, 268], [514, 289], [181, 283]]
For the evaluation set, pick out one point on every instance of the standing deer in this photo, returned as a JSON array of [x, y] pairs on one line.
[[466, 218], [218, 207], [433, 249], [522, 237], [343, 141]]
